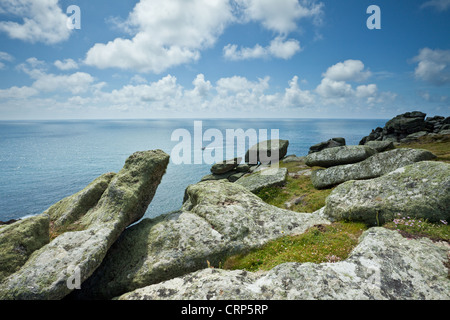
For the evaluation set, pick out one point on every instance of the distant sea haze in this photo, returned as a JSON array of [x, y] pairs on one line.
[[42, 162]]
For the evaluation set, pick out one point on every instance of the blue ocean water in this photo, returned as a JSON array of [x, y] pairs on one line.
[[42, 162]]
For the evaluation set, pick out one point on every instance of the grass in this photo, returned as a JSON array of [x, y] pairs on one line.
[[300, 186], [334, 242], [322, 243], [417, 228]]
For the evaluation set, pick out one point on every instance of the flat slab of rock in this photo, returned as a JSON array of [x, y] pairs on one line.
[[420, 190], [269, 177], [375, 166], [384, 266], [225, 166], [45, 275], [339, 156], [267, 152], [217, 220]]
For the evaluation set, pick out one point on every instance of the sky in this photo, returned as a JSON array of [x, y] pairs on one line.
[[129, 59]]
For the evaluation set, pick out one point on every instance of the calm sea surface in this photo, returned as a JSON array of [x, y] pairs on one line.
[[41, 162]]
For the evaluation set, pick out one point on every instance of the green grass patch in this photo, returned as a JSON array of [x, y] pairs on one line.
[[295, 188], [322, 243], [418, 228]]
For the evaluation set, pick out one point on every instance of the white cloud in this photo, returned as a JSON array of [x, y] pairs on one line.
[[440, 5], [231, 52], [334, 88], [76, 83], [433, 66], [169, 33], [17, 93], [5, 56], [282, 15], [138, 79], [201, 86], [349, 70], [241, 85], [365, 91], [295, 97], [67, 64], [278, 48], [43, 21]]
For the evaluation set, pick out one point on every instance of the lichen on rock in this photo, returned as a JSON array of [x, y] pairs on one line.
[[420, 190], [384, 266], [125, 200]]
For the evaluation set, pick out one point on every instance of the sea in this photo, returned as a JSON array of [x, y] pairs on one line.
[[42, 162]]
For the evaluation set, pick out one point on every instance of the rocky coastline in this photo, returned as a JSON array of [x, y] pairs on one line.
[[95, 245]]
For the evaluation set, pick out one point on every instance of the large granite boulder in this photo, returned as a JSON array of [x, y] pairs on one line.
[[69, 210], [420, 190], [375, 166], [332, 143], [217, 220], [267, 152], [384, 266], [380, 146], [339, 156], [19, 240], [78, 253], [269, 177]]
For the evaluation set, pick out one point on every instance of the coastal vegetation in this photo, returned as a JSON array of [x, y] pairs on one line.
[[334, 242]]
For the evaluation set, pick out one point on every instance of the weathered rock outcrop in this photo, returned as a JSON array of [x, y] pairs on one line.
[[332, 143], [339, 156], [420, 190], [72, 208], [19, 240], [262, 152], [407, 124], [218, 219], [269, 177], [384, 266], [374, 166], [225, 166], [124, 201], [380, 146]]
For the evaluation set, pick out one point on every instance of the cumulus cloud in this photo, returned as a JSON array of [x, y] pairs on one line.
[[349, 70], [296, 97], [67, 64], [336, 89], [4, 56], [433, 66], [168, 33], [278, 48], [43, 21], [75, 83], [280, 16]]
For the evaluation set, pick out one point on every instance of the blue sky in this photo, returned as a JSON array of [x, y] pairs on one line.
[[223, 58]]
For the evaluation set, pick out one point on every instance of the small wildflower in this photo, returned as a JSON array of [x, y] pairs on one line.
[[444, 222]]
